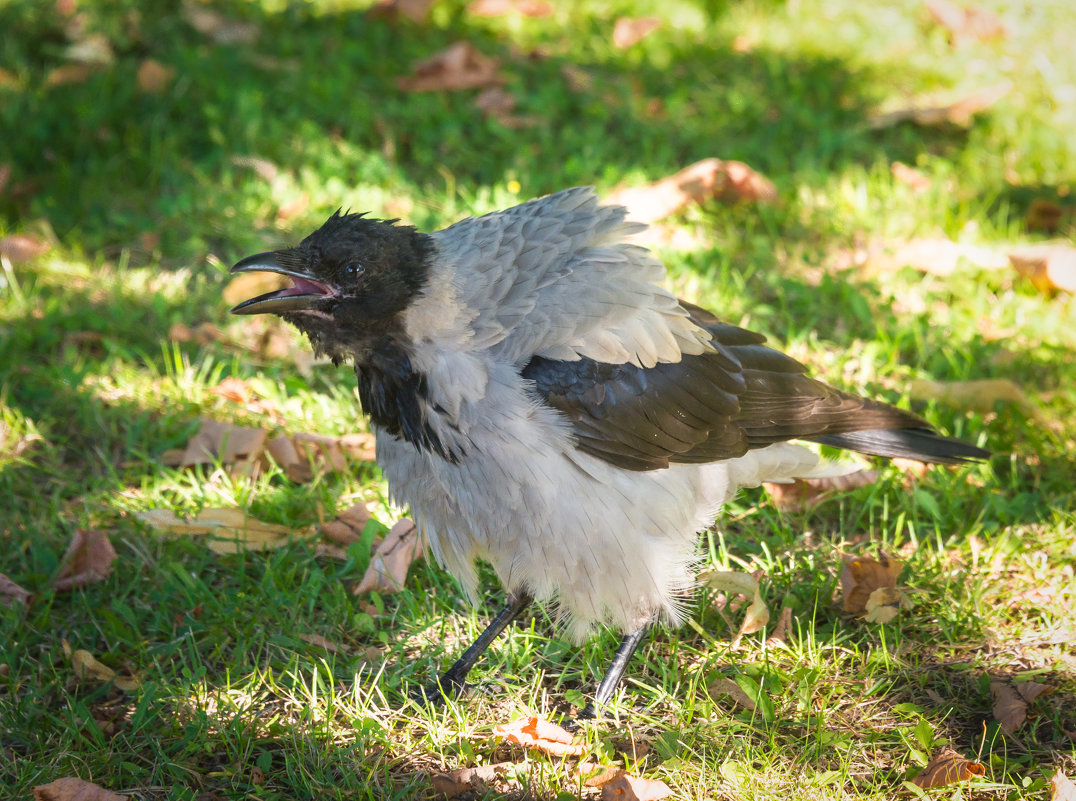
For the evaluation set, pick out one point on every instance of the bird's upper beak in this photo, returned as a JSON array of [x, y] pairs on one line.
[[304, 293]]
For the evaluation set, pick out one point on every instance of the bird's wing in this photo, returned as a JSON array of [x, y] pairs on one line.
[[553, 277], [718, 405]]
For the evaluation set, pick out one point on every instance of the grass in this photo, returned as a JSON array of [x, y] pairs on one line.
[[149, 197]]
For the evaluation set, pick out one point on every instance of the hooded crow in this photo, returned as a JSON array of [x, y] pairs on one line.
[[542, 403]]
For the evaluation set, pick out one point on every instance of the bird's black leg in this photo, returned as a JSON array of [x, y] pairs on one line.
[[454, 679], [616, 670]]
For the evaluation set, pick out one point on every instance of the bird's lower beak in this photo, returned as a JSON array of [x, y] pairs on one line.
[[304, 294]]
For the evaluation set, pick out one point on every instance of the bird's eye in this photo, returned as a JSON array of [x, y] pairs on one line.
[[353, 270]]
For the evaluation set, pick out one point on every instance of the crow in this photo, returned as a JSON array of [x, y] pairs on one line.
[[541, 403]]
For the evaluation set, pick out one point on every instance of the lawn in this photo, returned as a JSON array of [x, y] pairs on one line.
[[144, 148]]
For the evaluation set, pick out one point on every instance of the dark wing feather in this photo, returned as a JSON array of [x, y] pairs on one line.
[[720, 405]]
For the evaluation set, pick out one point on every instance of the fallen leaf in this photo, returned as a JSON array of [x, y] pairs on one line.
[[966, 24], [947, 767], [1062, 788], [976, 395], [862, 575], [1030, 690], [726, 686], [414, 10], [72, 789], [216, 26], [321, 642], [234, 389], [884, 604], [301, 455], [607, 774], [70, 73], [498, 104], [534, 732], [220, 442], [10, 592], [391, 559], [1048, 267], [702, 181], [960, 112], [88, 559], [348, 525], [909, 176], [782, 629], [88, 669], [460, 66], [939, 256], [499, 8], [20, 248], [1046, 215], [628, 31], [1010, 702], [626, 787], [735, 583], [228, 531], [803, 493], [92, 50], [153, 76], [465, 780]]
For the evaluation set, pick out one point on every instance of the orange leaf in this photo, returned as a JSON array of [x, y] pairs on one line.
[[88, 559], [460, 66], [534, 732], [862, 575], [391, 560], [632, 788], [702, 181], [1048, 267], [628, 31], [72, 789], [947, 767]]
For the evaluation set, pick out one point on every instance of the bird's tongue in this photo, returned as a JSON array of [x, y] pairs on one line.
[[303, 286]]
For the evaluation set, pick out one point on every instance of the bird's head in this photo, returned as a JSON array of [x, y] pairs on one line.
[[351, 278]]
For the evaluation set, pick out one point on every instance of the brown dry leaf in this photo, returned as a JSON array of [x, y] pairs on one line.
[[228, 530], [465, 780], [414, 10], [221, 442], [884, 604], [216, 26], [803, 493], [234, 389], [88, 559], [1030, 690], [625, 787], [947, 767], [726, 686], [958, 113], [976, 395], [348, 525], [1046, 215], [500, 8], [966, 24], [20, 248], [495, 102], [702, 181], [782, 629], [301, 455], [72, 789], [460, 66], [628, 31], [70, 73], [862, 575], [608, 773], [10, 592], [88, 669], [735, 583], [391, 559], [322, 642], [909, 176], [940, 256], [1048, 267], [1010, 702], [1062, 788], [540, 734], [154, 77]]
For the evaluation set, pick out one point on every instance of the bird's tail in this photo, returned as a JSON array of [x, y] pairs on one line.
[[920, 444]]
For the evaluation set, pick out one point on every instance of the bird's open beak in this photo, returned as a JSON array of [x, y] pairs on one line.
[[304, 293]]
